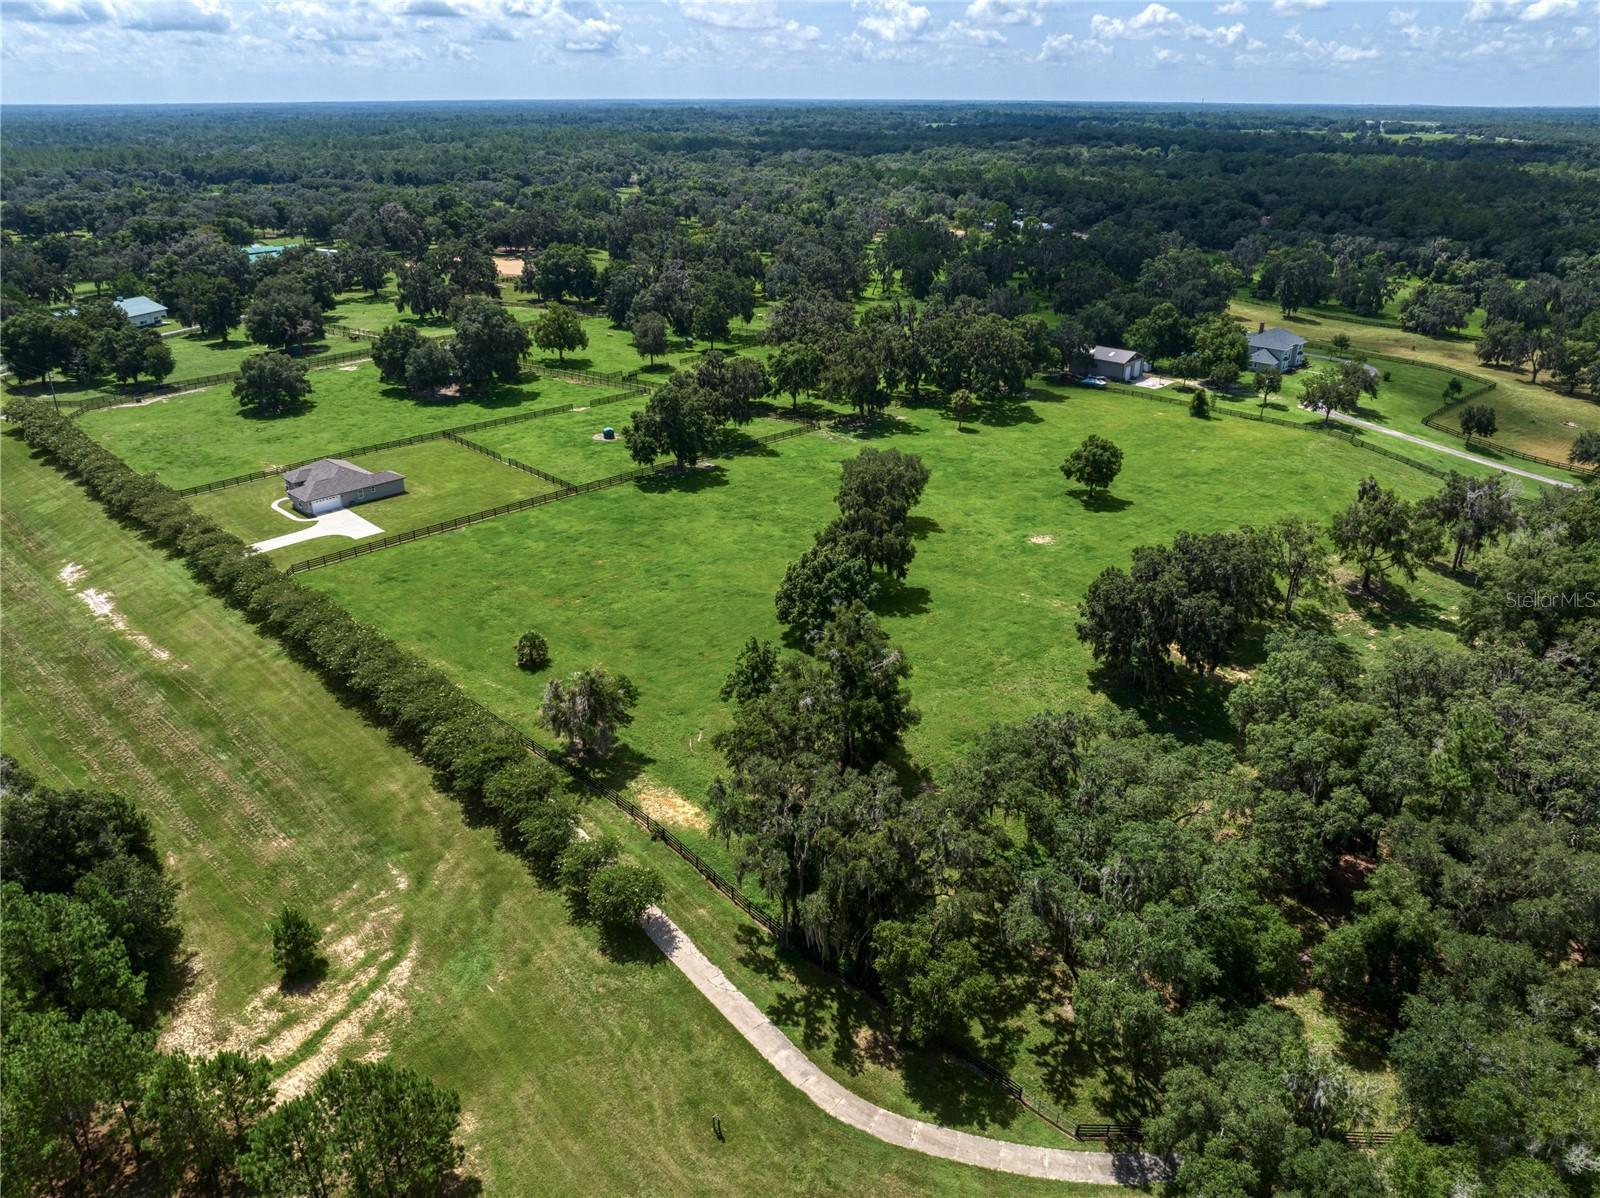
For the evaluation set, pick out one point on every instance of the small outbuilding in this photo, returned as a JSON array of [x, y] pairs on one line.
[[1286, 350], [143, 311], [333, 483], [1120, 365]]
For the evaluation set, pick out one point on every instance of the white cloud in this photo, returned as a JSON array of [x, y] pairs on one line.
[[893, 20], [1230, 35], [177, 16], [1480, 11], [1006, 12], [732, 14], [791, 37], [1313, 51], [1058, 47], [1540, 9], [58, 12], [1234, 8], [1402, 16], [1297, 6], [1153, 21], [1167, 58]]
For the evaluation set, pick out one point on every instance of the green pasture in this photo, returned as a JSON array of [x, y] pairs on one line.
[[593, 1069], [666, 580], [191, 439], [443, 480]]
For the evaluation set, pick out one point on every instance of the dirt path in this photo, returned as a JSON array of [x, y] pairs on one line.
[[1455, 453], [1055, 1164]]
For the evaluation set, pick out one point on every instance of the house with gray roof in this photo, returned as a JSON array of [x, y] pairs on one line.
[[1277, 347], [333, 483], [143, 311], [1122, 365]]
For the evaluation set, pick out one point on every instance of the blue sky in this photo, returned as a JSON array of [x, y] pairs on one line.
[[1476, 52]]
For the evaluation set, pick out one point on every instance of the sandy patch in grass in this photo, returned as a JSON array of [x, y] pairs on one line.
[[670, 807], [104, 606], [508, 268], [369, 975], [352, 366], [1042, 538]]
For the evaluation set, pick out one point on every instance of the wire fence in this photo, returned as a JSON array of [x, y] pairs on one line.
[[625, 378]]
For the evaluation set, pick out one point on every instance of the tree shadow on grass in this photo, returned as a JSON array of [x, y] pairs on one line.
[[1005, 415], [618, 771], [1104, 501], [304, 984], [304, 408], [1188, 705], [895, 598], [702, 478], [630, 946], [879, 428], [1392, 606]]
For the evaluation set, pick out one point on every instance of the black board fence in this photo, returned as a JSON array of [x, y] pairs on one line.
[[416, 439], [521, 505], [502, 458], [1435, 420], [141, 393]]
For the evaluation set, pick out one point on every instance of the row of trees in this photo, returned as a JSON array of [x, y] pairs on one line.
[[474, 757]]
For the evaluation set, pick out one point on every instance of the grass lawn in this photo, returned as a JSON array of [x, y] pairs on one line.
[[593, 1071], [1536, 419], [443, 479], [196, 438], [664, 581]]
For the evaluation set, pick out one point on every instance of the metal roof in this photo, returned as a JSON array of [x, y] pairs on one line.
[[1107, 353], [140, 305]]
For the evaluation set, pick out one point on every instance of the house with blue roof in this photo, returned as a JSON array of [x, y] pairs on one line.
[[1277, 347]]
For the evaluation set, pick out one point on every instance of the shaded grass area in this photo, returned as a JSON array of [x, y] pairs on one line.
[[443, 479], [665, 581], [197, 438], [592, 1070]]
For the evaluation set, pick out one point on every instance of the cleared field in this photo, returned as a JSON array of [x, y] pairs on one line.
[[592, 1072], [1536, 419], [664, 581], [443, 479], [197, 438]]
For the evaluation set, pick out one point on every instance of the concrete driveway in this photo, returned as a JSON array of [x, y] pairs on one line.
[[343, 523]]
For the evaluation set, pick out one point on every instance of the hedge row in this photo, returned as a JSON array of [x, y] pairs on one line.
[[474, 758]]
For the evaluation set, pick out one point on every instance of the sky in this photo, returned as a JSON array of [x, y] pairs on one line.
[[1451, 52]]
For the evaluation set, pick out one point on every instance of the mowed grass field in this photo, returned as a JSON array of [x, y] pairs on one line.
[[664, 581], [580, 1071], [201, 437], [1536, 419], [443, 479]]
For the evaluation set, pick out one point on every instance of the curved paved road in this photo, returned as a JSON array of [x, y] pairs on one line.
[[1055, 1164], [1455, 453]]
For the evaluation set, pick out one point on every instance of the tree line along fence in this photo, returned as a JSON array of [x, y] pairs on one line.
[[416, 439], [138, 393], [1349, 436], [517, 505]]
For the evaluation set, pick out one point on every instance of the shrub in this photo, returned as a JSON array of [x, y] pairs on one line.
[[545, 834], [515, 791], [618, 895], [295, 941], [577, 865], [1200, 405], [533, 652]]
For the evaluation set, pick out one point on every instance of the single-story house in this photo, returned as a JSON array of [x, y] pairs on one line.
[[334, 483], [1286, 350], [1120, 365], [141, 310]]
